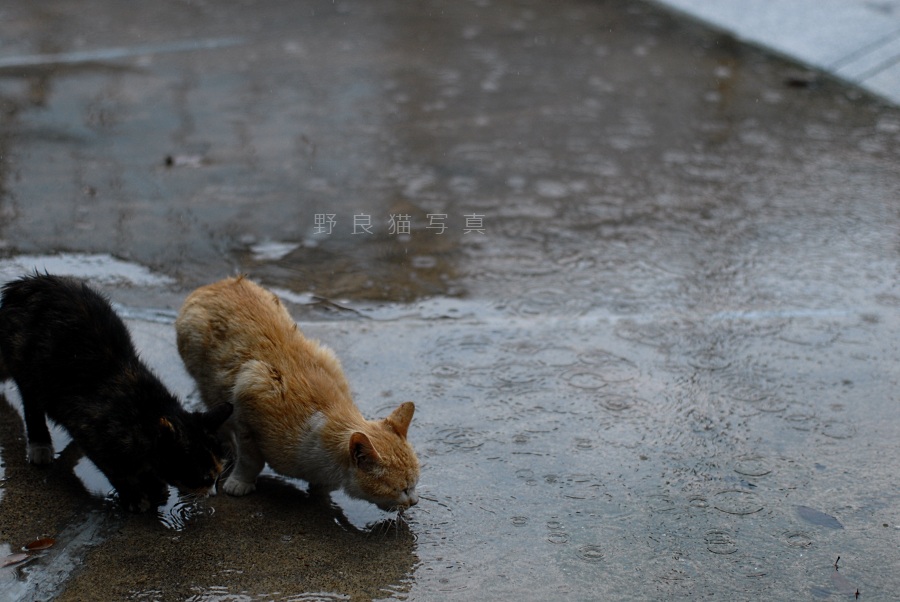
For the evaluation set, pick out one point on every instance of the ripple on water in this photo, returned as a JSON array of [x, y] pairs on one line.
[[461, 438], [555, 357], [737, 501], [611, 367], [652, 334], [709, 360], [752, 465], [552, 301], [753, 567], [771, 404], [838, 429], [515, 374], [525, 473], [446, 371], [750, 392], [616, 402], [557, 534], [554, 525], [720, 541], [180, 511], [698, 501], [591, 553], [660, 503], [801, 421], [797, 539], [584, 379], [808, 334], [467, 342]]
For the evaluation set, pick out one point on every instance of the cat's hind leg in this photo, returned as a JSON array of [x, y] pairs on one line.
[[40, 445], [248, 463]]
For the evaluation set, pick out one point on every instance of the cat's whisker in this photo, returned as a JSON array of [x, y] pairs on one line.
[[382, 528], [220, 479]]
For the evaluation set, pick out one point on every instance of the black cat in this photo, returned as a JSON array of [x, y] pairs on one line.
[[73, 361]]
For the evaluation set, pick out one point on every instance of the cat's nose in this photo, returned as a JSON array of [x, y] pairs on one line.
[[413, 498]]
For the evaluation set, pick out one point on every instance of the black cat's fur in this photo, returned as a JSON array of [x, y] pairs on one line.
[[73, 361]]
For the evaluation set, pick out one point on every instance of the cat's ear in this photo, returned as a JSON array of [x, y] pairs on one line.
[[401, 417], [167, 427], [362, 452], [217, 416]]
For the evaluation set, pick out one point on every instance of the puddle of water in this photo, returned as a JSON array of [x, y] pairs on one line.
[[98, 268]]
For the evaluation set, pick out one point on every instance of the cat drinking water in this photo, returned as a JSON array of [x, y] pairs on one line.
[[292, 404], [73, 361]]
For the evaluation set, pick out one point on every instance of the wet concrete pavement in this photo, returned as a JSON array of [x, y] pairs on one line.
[[646, 303]]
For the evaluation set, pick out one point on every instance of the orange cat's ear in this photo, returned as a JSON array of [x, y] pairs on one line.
[[362, 452], [401, 417]]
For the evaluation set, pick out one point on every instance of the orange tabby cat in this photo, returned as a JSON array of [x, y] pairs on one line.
[[292, 404]]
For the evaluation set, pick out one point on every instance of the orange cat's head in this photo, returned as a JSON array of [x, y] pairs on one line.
[[385, 466]]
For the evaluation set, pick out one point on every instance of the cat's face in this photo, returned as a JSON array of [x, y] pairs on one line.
[[386, 469], [388, 481], [190, 454]]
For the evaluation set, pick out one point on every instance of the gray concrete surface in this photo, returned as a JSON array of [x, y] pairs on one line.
[[855, 40], [653, 352]]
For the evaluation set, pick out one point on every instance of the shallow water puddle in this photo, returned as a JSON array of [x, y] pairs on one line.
[[97, 268], [592, 451]]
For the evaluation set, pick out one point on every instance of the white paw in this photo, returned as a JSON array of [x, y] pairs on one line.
[[39, 453], [238, 488]]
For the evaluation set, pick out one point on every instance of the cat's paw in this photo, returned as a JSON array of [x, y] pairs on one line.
[[238, 488], [40, 453]]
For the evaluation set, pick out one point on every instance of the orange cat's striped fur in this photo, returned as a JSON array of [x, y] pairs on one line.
[[292, 404]]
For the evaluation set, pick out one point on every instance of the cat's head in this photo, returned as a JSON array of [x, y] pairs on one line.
[[384, 466], [190, 455]]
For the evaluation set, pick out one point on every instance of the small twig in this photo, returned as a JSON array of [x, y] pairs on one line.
[[836, 563]]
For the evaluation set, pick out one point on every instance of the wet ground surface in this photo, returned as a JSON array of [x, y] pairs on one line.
[[653, 348]]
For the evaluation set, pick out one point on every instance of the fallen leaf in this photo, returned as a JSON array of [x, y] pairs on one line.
[[821, 519], [39, 544], [13, 559]]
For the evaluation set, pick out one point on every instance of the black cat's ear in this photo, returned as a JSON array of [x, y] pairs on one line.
[[362, 452], [217, 416]]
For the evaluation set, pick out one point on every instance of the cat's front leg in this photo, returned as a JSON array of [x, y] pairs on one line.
[[249, 462]]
